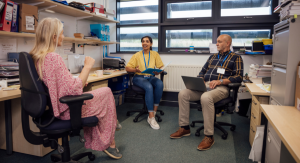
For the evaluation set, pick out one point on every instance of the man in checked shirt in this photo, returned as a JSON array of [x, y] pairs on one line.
[[220, 69]]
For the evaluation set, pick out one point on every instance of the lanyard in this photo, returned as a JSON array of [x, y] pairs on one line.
[[145, 60], [224, 58]]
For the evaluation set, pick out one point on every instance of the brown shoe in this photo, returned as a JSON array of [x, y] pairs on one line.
[[206, 143], [180, 133]]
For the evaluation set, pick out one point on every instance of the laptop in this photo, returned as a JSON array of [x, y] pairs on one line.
[[194, 83]]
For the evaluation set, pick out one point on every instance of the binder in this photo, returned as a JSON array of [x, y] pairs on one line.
[[15, 20], [6, 18]]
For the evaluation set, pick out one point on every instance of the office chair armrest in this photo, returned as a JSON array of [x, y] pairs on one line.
[[70, 99], [75, 105], [233, 85], [162, 75]]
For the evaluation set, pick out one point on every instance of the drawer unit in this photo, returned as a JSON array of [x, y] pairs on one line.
[[95, 85], [255, 119], [252, 132]]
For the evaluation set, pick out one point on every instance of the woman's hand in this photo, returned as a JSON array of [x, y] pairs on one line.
[[137, 69], [89, 62], [157, 73], [86, 83]]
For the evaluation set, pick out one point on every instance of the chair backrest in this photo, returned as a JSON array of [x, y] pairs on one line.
[[33, 95]]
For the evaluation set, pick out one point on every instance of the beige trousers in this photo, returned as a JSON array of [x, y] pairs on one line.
[[207, 102]]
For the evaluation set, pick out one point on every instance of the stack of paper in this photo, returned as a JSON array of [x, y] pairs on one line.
[[260, 71], [290, 10]]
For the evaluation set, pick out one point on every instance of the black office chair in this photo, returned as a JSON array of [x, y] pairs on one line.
[[225, 104], [34, 101], [141, 92]]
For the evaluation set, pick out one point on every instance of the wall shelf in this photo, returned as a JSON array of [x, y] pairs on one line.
[[67, 10], [66, 39]]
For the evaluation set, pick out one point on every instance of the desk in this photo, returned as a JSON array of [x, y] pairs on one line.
[[285, 120], [7, 97], [255, 90], [259, 96]]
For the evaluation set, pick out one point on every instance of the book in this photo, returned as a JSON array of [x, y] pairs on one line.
[[151, 70]]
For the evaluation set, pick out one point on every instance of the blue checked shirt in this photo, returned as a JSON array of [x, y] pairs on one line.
[[233, 66]]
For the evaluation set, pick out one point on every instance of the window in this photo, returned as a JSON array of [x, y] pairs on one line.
[[186, 38], [246, 7], [189, 9], [130, 37], [175, 25], [245, 37], [139, 12]]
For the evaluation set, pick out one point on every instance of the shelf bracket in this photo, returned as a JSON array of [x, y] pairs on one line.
[[83, 17], [45, 8], [35, 4]]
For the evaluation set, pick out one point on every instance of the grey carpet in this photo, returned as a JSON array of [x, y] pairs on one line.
[[139, 143]]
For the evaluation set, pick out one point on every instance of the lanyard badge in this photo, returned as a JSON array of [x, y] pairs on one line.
[[222, 70], [145, 60]]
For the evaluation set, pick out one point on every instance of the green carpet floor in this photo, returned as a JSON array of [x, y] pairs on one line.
[[139, 143]]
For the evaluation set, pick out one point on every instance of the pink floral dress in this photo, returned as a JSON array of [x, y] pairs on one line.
[[60, 82]]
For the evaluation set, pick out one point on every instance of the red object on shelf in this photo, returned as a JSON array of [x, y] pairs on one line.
[[6, 19]]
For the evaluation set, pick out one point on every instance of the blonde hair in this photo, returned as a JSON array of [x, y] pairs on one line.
[[44, 41]]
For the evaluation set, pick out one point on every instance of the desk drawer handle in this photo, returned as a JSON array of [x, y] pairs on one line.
[[253, 116], [252, 129], [254, 103]]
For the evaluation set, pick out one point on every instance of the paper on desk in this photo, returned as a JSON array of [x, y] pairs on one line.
[[213, 48], [7, 45]]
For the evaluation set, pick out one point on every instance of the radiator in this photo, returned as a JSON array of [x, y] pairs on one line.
[[173, 81]]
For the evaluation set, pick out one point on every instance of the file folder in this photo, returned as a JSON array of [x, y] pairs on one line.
[[15, 19], [6, 18]]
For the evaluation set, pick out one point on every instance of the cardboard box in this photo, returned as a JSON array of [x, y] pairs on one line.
[[297, 91], [28, 19]]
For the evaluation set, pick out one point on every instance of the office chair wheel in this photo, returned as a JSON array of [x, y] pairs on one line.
[[192, 124], [224, 136], [135, 120], [92, 157], [232, 128], [162, 113], [197, 134], [128, 114], [159, 120]]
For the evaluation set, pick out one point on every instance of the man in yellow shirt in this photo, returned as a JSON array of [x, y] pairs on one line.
[[153, 86]]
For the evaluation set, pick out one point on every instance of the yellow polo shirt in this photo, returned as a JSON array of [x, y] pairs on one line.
[[138, 60]]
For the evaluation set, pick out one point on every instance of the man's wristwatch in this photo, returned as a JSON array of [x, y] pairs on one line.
[[221, 80]]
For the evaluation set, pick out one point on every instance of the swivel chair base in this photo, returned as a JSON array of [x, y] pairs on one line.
[[218, 125], [144, 111], [65, 156]]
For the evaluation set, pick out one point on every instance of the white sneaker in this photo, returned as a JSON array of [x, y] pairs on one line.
[[152, 122], [154, 113]]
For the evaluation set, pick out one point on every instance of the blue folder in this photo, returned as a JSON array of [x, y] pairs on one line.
[[151, 70]]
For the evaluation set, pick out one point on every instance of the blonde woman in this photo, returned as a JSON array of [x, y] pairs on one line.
[[60, 82]]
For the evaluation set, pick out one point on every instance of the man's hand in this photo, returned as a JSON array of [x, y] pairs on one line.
[[214, 83], [137, 69]]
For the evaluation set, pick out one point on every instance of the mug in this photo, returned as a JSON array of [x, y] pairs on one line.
[[99, 73]]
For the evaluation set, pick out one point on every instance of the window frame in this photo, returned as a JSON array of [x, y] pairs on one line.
[[190, 20], [216, 23], [246, 27], [164, 29]]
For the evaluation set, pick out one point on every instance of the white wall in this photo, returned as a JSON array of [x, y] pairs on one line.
[[186, 59]]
